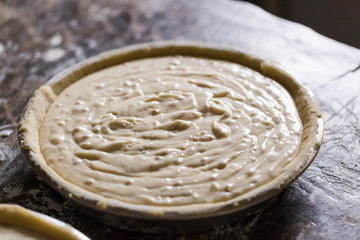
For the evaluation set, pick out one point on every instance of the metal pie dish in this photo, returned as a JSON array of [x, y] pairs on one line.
[[37, 223], [169, 219]]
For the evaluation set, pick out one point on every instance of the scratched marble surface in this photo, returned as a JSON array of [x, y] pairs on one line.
[[39, 38]]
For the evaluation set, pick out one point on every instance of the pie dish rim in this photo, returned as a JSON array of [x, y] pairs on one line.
[[312, 120]]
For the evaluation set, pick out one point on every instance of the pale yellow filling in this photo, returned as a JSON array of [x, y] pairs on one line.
[[9, 232], [171, 131]]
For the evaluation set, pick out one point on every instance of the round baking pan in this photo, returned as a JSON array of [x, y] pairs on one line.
[[154, 219], [37, 223]]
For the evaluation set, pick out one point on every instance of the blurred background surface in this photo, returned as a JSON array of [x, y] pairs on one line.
[[337, 19]]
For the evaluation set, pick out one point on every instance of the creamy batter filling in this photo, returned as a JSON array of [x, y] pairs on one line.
[[8, 232], [171, 131]]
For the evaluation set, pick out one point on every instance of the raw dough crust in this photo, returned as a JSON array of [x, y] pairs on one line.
[[36, 110]]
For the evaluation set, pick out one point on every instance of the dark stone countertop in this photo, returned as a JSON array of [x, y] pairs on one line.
[[39, 38]]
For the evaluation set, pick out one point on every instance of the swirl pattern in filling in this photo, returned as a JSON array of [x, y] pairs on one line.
[[171, 131]]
